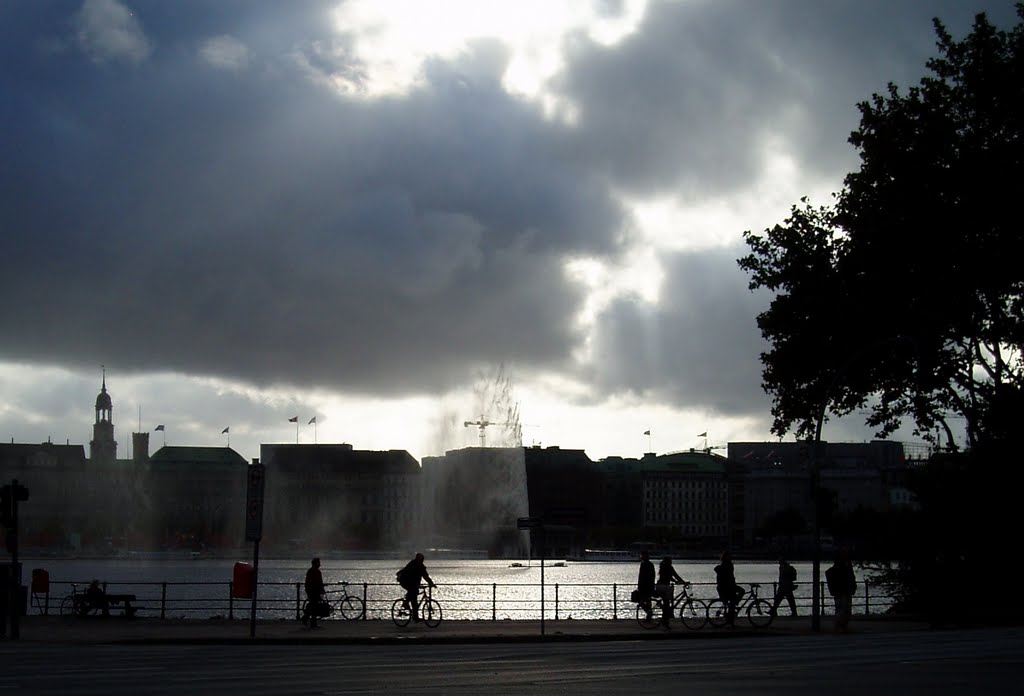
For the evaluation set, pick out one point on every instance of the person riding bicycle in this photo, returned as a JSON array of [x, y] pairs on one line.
[[728, 591], [666, 576], [410, 578], [314, 593], [645, 582]]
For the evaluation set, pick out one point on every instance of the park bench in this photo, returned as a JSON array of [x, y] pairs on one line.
[[124, 601]]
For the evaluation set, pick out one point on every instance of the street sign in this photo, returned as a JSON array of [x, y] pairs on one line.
[[254, 502], [529, 523]]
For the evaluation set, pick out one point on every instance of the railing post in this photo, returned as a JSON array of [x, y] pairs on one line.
[[365, 610], [298, 600], [231, 600], [615, 600], [867, 600], [46, 611], [163, 600], [494, 601], [556, 601]]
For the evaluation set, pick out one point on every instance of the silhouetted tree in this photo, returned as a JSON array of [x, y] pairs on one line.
[[907, 295]]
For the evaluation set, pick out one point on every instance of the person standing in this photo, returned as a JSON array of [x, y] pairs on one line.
[[728, 591], [410, 578], [842, 584], [314, 593], [666, 576], [787, 583], [645, 582]]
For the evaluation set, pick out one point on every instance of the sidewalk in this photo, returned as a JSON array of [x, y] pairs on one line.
[[119, 630]]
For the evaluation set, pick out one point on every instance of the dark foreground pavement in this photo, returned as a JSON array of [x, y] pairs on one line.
[[140, 630]]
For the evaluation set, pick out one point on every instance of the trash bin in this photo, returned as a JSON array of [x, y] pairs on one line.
[[241, 581], [40, 581]]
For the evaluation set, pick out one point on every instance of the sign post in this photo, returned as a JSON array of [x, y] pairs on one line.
[[254, 529], [10, 496], [531, 523]]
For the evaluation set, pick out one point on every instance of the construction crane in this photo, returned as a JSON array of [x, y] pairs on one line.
[[483, 423]]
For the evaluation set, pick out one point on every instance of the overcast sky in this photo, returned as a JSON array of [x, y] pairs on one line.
[[382, 213]]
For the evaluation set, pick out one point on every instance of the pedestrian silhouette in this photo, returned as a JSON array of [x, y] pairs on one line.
[[787, 583], [645, 583], [314, 594], [842, 584]]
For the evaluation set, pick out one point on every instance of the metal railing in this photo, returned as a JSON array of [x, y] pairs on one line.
[[467, 601]]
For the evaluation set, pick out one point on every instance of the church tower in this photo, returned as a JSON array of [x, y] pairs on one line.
[[103, 448]]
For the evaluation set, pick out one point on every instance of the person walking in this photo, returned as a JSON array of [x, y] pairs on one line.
[[787, 583], [314, 593], [728, 591], [666, 576], [842, 584], [410, 578], [645, 582]]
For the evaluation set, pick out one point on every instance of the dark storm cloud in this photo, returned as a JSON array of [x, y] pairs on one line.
[[698, 347], [688, 103], [166, 214], [180, 191]]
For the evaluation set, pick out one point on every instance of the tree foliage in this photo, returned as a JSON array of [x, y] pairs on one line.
[[907, 294]]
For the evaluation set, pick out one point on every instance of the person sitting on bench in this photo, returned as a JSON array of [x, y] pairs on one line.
[[95, 598]]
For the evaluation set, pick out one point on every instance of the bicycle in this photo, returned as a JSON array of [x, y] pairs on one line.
[[758, 611], [350, 606], [429, 610], [76, 603], [692, 611]]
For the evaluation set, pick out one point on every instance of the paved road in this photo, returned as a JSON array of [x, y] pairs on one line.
[[878, 663], [939, 663]]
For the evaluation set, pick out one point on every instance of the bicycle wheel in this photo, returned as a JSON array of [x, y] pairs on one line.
[[351, 607], [694, 614], [68, 606], [718, 615], [430, 612], [759, 613], [399, 614], [645, 620]]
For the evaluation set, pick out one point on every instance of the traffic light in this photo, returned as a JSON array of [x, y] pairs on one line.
[[10, 493], [7, 506]]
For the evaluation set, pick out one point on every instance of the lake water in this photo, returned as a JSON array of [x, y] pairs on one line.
[[467, 589]]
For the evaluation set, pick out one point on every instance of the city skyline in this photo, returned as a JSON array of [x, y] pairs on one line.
[[372, 215]]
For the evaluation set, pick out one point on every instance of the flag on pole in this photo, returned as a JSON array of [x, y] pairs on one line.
[[703, 434], [157, 428], [293, 419], [311, 421], [225, 430], [647, 432]]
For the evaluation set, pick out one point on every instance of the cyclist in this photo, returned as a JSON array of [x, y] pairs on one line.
[[314, 593], [666, 576], [410, 578], [645, 582], [728, 591]]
